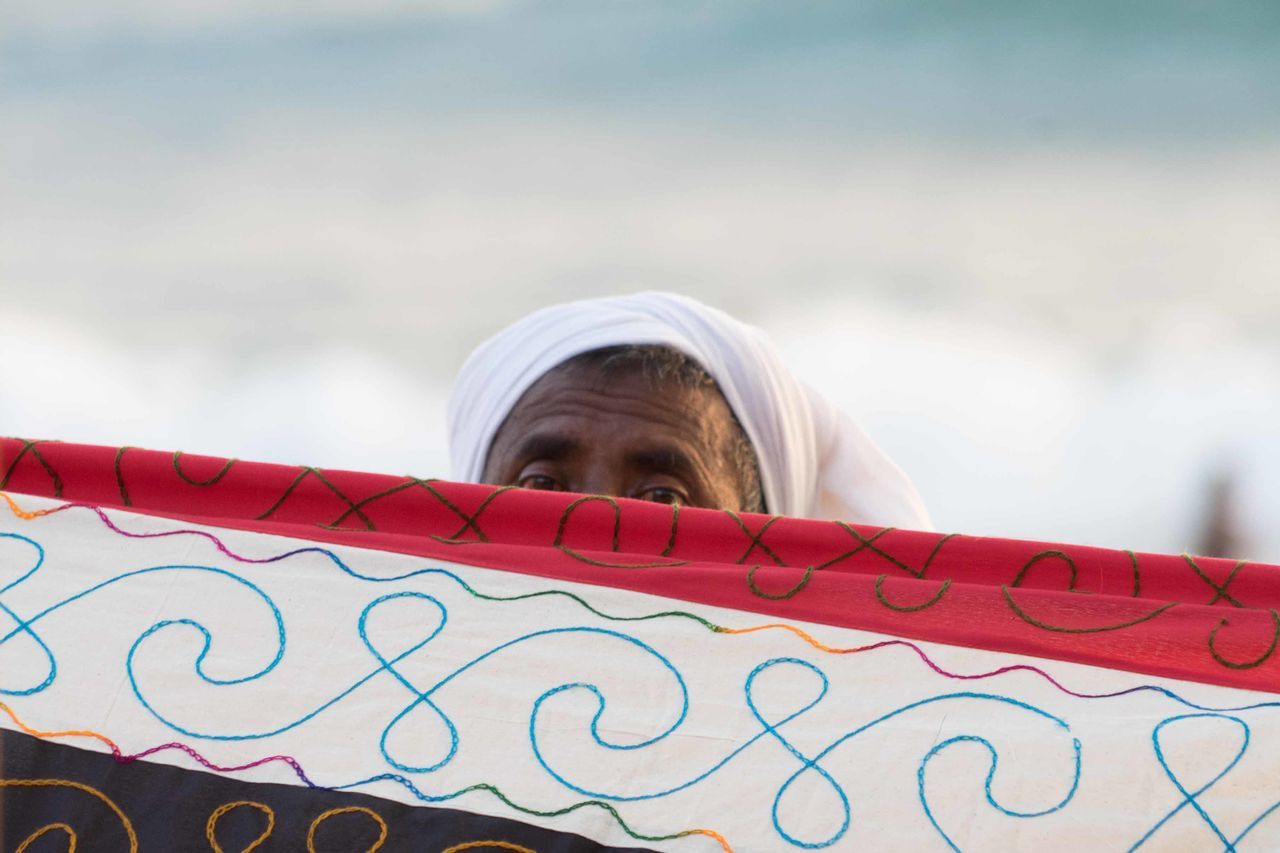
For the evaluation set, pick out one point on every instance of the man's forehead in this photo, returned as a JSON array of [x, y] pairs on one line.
[[548, 445], [571, 392], [573, 407]]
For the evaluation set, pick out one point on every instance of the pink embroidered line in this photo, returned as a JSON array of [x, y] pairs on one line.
[[122, 757]]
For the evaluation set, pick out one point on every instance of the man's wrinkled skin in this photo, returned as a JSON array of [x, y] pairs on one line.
[[575, 431]]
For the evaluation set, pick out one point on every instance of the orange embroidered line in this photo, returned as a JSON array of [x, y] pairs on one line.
[[71, 733], [211, 827], [25, 515], [79, 786], [500, 845], [323, 816], [804, 635], [711, 833]]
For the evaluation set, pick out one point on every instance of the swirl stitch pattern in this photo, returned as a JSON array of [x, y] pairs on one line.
[[387, 665]]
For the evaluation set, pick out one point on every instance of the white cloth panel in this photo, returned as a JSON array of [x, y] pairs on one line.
[[899, 777]]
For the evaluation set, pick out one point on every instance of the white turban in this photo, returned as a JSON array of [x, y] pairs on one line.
[[814, 460]]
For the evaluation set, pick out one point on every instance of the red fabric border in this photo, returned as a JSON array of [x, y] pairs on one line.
[[1200, 619]]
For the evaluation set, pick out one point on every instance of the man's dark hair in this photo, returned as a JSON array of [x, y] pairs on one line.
[[661, 365]]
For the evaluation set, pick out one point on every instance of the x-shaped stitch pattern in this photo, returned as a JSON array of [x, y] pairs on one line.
[[304, 472], [32, 446], [1220, 590], [756, 538], [866, 543], [468, 521]]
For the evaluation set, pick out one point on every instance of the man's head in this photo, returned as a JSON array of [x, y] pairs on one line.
[[626, 399], [641, 421]]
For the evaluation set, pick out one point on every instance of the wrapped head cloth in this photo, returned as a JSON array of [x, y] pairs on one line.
[[814, 460]]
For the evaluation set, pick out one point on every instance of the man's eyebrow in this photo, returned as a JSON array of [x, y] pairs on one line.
[[550, 447], [666, 459]]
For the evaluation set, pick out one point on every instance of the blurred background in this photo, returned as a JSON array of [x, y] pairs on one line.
[[1034, 246]]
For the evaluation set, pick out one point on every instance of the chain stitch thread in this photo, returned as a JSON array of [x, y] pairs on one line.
[[211, 826], [323, 816]]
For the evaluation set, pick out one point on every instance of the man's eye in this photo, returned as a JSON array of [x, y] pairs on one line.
[[542, 482], [663, 495]]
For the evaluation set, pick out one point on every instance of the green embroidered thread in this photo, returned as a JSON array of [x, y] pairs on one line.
[[1047, 555], [568, 511], [910, 608], [1248, 664], [862, 545], [675, 522], [937, 546], [755, 538], [306, 471], [751, 584], [565, 549], [409, 482], [612, 812], [124, 492], [558, 543], [868, 543], [1220, 591], [222, 472], [1030, 620], [682, 614], [30, 446], [467, 520], [919, 575]]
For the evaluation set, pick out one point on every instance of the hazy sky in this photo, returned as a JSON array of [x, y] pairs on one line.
[[1034, 246]]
